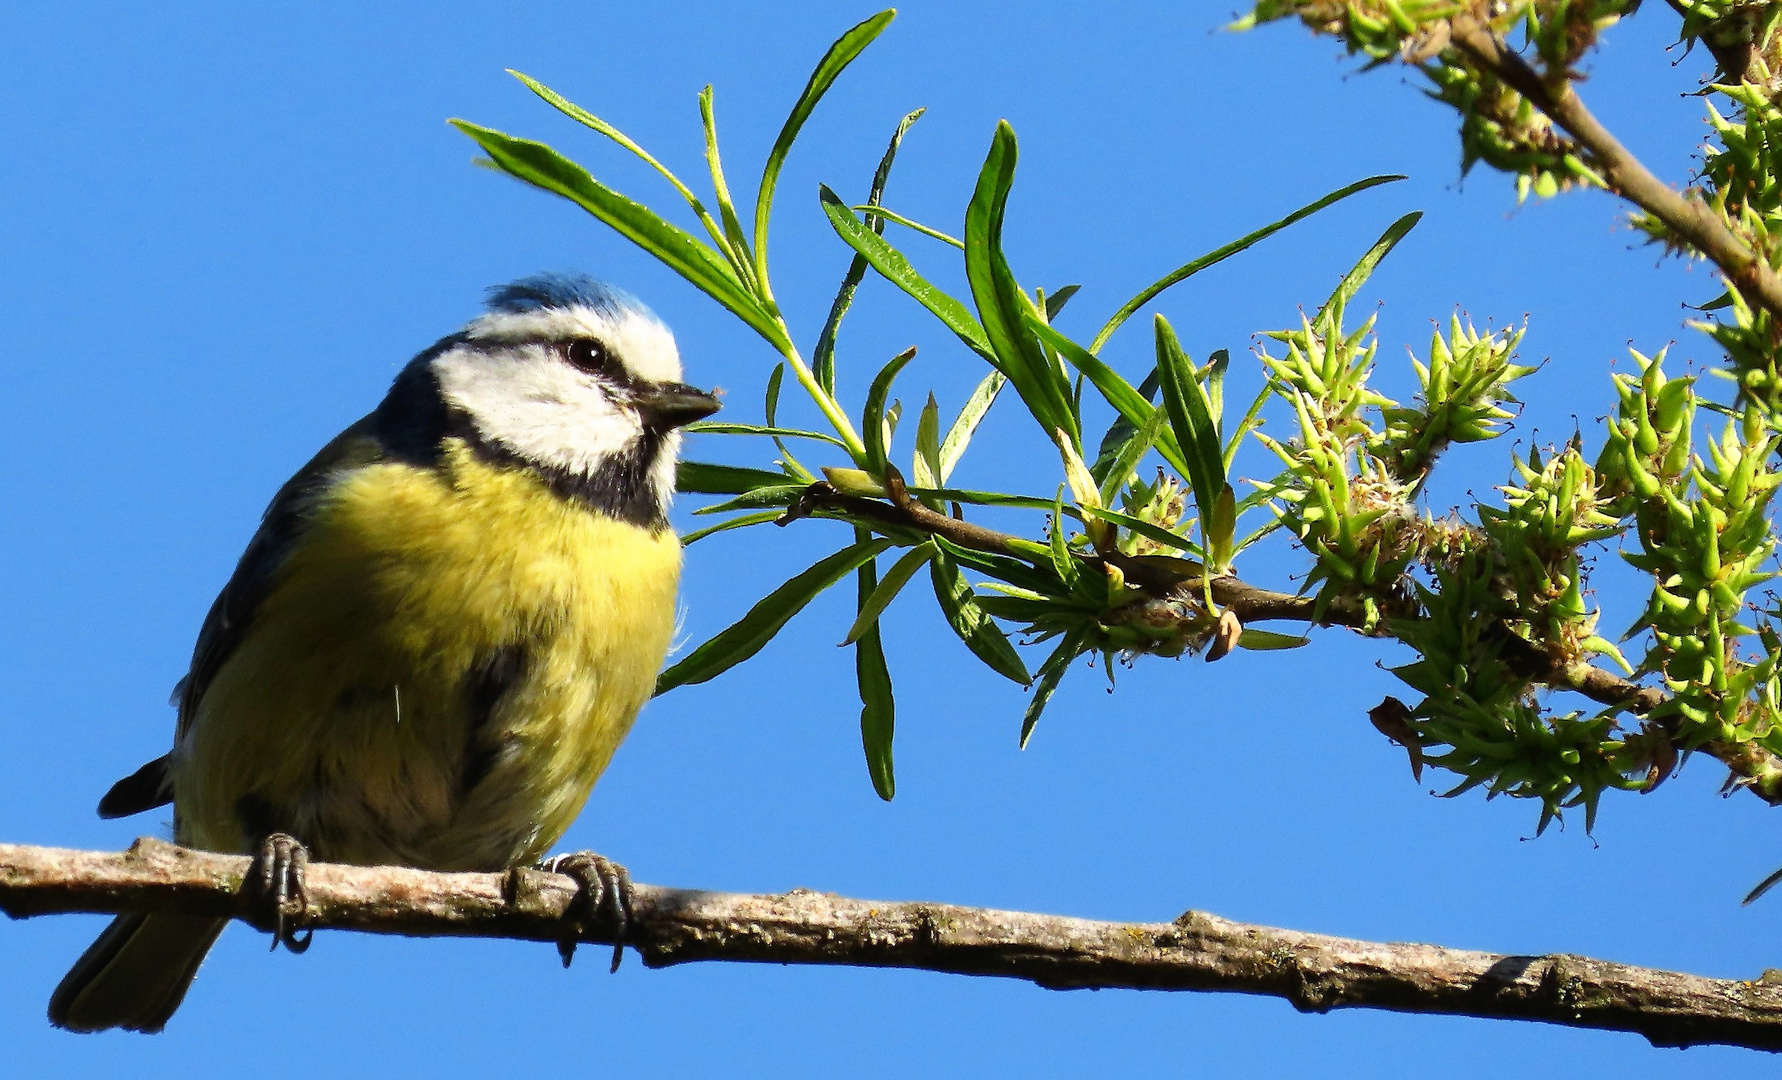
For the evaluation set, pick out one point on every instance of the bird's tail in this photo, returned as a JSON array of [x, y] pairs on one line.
[[135, 975]]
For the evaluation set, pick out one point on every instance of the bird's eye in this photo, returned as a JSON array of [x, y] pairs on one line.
[[589, 356]]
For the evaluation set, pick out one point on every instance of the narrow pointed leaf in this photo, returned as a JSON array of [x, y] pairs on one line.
[[1003, 308], [771, 405], [679, 250], [1002, 567], [1358, 275], [1126, 458], [1145, 529], [782, 496], [1055, 303], [582, 116], [878, 714], [1120, 432], [1050, 674], [701, 478], [1064, 564], [1265, 640], [1217, 255], [966, 424], [828, 69], [895, 268], [823, 357], [925, 463], [745, 637], [1190, 416], [875, 421], [741, 522], [883, 214], [1119, 393], [873, 605], [733, 230], [973, 625], [757, 429]]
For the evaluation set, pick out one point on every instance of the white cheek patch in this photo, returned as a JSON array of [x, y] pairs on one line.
[[528, 401], [662, 470], [638, 341]]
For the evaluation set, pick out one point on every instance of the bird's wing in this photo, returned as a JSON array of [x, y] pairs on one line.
[[233, 611]]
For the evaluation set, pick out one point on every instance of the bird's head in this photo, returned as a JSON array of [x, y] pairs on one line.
[[569, 377]]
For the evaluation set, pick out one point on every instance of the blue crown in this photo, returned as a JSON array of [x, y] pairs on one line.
[[542, 291]]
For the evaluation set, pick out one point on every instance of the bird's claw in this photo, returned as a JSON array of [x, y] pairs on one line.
[[282, 864], [604, 884]]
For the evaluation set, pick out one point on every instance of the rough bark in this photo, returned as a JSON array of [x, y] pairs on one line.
[[1196, 951]]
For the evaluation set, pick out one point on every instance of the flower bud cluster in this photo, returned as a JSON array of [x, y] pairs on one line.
[[1464, 389]]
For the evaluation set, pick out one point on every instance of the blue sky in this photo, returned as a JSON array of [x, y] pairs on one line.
[[224, 229]]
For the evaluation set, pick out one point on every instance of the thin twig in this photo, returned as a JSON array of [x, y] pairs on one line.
[[1757, 769], [1315, 972]]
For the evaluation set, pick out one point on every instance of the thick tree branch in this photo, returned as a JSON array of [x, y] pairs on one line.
[[1315, 972], [1690, 219]]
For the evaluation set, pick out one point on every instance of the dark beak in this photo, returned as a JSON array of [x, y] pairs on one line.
[[666, 406]]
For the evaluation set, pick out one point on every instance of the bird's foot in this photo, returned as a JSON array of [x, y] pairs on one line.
[[282, 863], [604, 884]]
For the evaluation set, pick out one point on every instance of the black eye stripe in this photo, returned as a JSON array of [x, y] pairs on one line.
[[586, 354]]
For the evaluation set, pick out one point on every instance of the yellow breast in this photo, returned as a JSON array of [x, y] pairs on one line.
[[351, 707]]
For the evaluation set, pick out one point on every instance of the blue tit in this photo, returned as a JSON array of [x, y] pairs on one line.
[[442, 630]]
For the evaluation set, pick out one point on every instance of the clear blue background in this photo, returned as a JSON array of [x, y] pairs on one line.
[[224, 227]]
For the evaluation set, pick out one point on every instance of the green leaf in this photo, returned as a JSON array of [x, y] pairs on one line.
[[1002, 567], [701, 478], [1055, 303], [771, 405], [878, 713], [756, 429], [1357, 276], [1131, 404], [823, 357], [966, 424], [895, 268], [1050, 674], [839, 56], [1127, 457], [883, 214], [1064, 564], [1121, 430], [1003, 308], [1266, 640], [1219, 527], [1217, 255], [987, 498], [973, 625], [1144, 528], [925, 466], [782, 496], [873, 605], [746, 636], [733, 230], [584, 117], [741, 522], [1190, 414], [874, 420], [679, 250]]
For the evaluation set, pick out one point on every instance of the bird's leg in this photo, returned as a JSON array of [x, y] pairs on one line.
[[282, 862], [603, 884]]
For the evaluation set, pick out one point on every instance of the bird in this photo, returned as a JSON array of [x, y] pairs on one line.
[[444, 626]]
